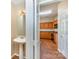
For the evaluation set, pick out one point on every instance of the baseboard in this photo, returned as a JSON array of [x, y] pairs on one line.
[[62, 53], [15, 54]]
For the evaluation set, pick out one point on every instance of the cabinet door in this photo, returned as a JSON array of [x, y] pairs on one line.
[[50, 25], [45, 25], [56, 39], [45, 35], [41, 25]]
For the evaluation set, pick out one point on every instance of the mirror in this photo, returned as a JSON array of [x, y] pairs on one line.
[[21, 23]]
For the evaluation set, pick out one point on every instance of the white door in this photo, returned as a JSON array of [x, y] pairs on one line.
[[63, 31], [37, 29], [32, 30]]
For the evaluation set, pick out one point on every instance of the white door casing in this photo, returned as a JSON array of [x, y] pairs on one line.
[[29, 28], [37, 29], [32, 30]]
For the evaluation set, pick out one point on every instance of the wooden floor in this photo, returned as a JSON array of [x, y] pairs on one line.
[[48, 50], [15, 57]]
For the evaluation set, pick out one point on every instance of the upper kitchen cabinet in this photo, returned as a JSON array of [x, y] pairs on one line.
[[49, 25], [46, 25]]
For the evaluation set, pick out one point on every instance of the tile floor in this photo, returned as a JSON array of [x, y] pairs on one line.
[[48, 50]]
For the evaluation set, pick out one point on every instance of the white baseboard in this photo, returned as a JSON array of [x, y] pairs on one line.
[[15, 54], [62, 53]]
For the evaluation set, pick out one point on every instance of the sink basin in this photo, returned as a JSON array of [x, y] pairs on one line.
[[20, 39]]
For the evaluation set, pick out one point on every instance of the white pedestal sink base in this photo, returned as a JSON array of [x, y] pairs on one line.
[[21, 51], [20, 40]]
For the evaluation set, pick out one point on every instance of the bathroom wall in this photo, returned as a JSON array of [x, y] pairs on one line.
[[14, 46], [19, 19], [16, 24], [13, 22], [63, 28]]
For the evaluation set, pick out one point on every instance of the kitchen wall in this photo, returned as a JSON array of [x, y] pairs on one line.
[[45, 20], [62, 27], [42, 20]]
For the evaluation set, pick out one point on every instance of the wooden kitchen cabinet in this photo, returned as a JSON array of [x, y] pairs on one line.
[[46, 25], [45, 35], [56, 39], [50, 25], [41, 26], [51, 36]]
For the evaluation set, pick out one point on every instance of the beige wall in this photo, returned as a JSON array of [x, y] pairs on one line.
[[13, 22], [16, 25], [14, 46]]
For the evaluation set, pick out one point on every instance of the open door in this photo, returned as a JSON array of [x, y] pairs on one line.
[[47, 12], [37, 29], [32, 30], [29, 29]]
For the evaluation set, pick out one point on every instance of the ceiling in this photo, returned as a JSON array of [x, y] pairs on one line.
[[18, 2], [52, 7], [48, 6]]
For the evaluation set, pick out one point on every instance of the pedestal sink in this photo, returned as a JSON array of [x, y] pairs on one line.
[[20, 40]]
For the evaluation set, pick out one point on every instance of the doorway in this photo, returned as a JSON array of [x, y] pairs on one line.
[[42, 30], [38, 27], [49, 30]]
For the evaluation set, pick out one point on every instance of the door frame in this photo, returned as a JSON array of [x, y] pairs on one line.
[[29, 28], [32, 29], [37, 29]]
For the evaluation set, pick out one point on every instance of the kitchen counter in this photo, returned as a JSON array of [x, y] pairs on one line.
[[56, 30]]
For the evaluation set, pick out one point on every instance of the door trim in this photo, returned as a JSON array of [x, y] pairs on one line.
[[37, 29], [29, 28]]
